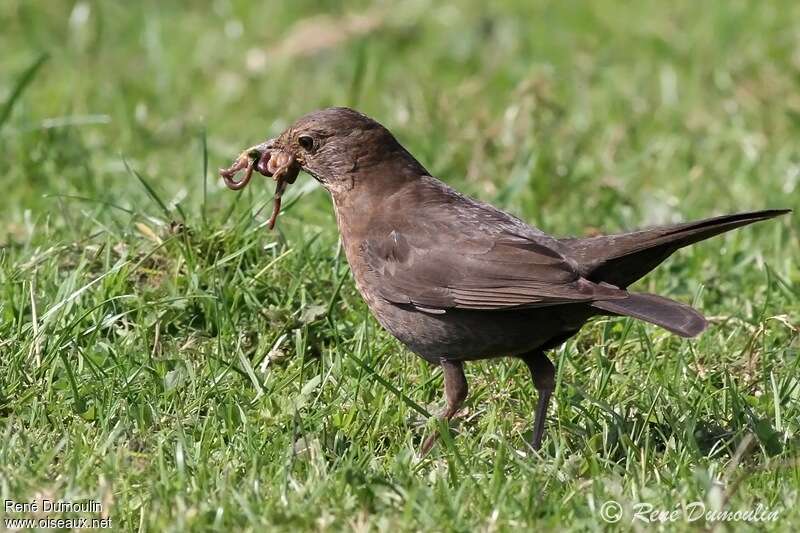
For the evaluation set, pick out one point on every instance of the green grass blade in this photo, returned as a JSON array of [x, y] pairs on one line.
[[150, 191], [22, 83]]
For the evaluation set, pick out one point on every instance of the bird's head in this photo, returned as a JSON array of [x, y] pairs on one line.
[[340, 147], [346, 151]]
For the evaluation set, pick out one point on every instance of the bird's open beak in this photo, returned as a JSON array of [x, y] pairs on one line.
[[269, 159]]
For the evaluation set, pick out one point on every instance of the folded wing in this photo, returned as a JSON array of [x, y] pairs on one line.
[[475, 273]]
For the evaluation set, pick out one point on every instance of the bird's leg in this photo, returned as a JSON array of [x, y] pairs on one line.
[[455, 392], [543, 373]]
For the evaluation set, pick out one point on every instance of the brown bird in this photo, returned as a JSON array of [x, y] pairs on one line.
[[455, 279]]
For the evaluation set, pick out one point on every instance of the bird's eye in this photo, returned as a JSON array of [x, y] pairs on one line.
[[306, 142]]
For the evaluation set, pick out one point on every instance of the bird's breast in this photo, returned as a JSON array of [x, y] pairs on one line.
[[352, 234]]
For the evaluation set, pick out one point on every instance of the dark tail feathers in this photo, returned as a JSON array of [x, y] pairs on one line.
[[669, 314], [624, 258]]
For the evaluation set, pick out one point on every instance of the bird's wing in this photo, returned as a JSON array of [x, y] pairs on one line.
[[469, 255]]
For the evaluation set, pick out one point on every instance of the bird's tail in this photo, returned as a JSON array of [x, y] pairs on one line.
[[624, 258], [671, 315]]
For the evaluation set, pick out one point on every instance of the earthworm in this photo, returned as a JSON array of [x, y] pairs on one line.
[[279, 165]]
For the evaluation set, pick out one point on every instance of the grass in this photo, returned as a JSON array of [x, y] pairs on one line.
[[165, 354]]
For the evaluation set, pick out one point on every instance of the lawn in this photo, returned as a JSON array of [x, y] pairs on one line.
[[166, 355]]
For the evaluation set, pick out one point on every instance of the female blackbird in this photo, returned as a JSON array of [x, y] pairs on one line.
[[455, 279]]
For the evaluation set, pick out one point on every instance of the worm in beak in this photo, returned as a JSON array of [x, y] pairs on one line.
[[269, 161]]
